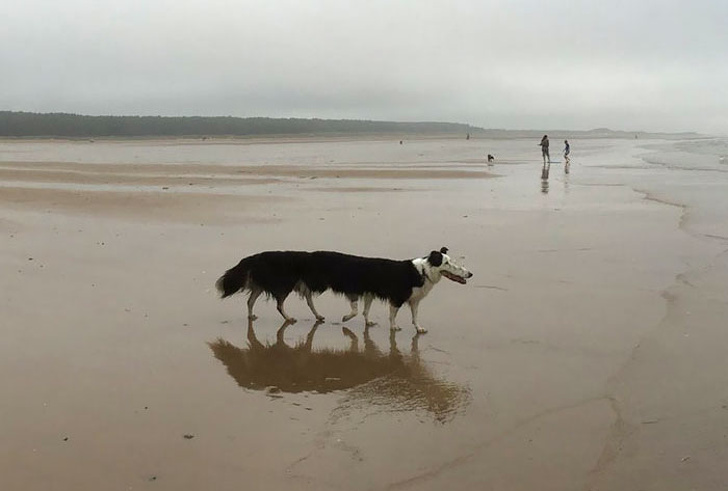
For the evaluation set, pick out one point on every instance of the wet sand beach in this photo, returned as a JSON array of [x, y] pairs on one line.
[[588, 352]]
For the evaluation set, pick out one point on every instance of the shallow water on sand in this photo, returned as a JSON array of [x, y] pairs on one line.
[[585, 353]]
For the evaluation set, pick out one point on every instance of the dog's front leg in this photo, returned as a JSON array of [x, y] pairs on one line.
[[393, 309], [414, 305], [280, 308], [367, 305], [309, 301]]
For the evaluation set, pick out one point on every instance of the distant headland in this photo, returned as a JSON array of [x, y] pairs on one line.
[[18, 124]]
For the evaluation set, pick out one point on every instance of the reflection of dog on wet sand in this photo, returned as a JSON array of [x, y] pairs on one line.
[[278, 273], [390, 379]]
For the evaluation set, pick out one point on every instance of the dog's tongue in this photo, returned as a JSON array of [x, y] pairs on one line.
[[452, 277]]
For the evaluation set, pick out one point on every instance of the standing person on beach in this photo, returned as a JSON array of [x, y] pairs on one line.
[[567, 151], [545, 148]]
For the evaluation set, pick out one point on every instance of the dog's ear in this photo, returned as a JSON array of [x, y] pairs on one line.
[[435, 258], [443, 250]]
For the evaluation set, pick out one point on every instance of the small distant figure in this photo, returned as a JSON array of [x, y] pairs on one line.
[[545, 149], [490, 159], [400, 142], [467, 137], [567, 159]]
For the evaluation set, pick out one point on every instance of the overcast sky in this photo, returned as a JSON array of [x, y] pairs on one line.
[[656, 65]]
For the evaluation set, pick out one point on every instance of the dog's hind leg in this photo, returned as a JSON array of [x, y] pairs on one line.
[[279, 306], [393, 309], [414, 305], [354, 301], [309, 300], [254, 294], [368, 297], [302, 289]]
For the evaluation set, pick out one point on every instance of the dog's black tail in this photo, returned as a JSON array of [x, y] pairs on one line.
[[234, 280]]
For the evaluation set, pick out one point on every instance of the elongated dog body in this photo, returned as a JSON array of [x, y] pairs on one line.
[[278, 273]]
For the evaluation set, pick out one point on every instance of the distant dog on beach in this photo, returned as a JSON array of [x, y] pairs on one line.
[[278, 273]]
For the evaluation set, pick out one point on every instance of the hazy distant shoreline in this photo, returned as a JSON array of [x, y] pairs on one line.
[[74, 126]]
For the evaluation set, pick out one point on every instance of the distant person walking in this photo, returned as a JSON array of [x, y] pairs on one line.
[[567, 151], [545, 149]]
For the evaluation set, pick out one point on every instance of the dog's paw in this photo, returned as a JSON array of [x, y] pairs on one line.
[[348, 317], [420, 330], [370, 323], [291, 320], [395, 328], [320, 318], [252, 317]]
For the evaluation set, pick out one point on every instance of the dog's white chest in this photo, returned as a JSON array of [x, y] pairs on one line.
[[419, 292]]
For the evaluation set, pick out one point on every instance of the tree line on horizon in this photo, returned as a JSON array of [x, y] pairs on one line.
[[28, 124]]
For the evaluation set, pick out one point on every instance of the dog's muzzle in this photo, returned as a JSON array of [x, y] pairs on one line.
[[456, 278]]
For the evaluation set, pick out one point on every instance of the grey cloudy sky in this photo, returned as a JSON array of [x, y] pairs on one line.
[[520, 64]]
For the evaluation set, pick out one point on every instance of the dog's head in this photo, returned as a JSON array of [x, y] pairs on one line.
[[440, 264]]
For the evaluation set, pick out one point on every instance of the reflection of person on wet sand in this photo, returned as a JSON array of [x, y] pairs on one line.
[[567, 159], [399, 381], [545, 171]]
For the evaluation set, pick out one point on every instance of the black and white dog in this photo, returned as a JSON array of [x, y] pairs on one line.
[[278, 273]]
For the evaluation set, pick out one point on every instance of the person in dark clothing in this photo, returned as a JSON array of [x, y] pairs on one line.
[[545, 149]]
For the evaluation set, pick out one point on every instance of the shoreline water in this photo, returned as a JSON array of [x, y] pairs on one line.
[[672, 439]]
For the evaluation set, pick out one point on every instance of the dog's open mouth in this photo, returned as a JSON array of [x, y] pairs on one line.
[[455, 278]]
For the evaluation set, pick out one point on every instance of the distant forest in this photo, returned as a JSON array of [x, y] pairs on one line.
[[26, 124]]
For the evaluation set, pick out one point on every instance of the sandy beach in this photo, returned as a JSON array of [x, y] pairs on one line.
[[588, 352]]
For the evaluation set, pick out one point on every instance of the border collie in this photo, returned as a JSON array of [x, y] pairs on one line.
[[278, 273]]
